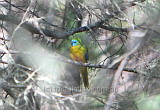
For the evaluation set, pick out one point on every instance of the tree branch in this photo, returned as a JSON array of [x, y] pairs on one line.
[[110, 28], [115, 81], [29, 25], [62, 35]]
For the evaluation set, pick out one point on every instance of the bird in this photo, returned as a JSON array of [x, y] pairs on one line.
[[79, 52]]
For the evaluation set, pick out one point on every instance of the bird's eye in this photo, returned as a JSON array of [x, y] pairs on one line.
[[74, 42]]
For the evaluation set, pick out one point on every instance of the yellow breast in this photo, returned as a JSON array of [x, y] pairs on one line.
[[78, 53]]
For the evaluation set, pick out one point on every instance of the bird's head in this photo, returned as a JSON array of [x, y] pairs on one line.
[[75, 42]]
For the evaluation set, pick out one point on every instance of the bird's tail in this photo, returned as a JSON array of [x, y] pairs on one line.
[[84, 74]]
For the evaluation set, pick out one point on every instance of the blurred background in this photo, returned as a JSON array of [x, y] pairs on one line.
[[123, 42]]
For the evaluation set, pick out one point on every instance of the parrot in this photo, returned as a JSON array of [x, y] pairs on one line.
[[79, 52]]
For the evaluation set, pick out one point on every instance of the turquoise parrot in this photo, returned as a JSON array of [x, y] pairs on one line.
[[79, 53]]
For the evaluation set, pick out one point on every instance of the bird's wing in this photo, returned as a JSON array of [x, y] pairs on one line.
[[86, 56], [86, 53]]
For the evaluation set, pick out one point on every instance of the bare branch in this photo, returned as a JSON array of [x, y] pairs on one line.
[[116, 78], [110, 28], [58, 35]]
